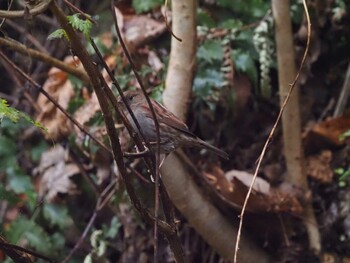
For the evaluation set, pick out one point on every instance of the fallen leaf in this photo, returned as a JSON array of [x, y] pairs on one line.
[[327, 133], [61, 90], [139, 30], [55, 174], [154, 61], [319, 167], [260, 185], [233, 187]]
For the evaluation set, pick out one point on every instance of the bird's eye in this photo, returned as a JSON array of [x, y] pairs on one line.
[[131, 97]]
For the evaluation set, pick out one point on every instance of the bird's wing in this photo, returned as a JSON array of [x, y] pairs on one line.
[[170, 119]]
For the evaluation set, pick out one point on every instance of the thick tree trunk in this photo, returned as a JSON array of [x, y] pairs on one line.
[[184, 193], [293, 149], [204, 216], [182, 58]]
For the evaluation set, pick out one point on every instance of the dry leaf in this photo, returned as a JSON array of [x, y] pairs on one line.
[[327, 133], [233, 187], [54, 174], [260, 185], [61, 90], [319, 167], [139, 29], [154, 61]]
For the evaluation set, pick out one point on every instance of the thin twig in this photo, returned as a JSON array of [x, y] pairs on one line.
[[101, 202], [112, 99], [145, 153], [82, 237], [4, 19], [48, 96], [285, 236], [168, 209], [11, 249], [29, 36], [167, 23], [38, 9], [91, 182], [138, 174], [344, 95], [19, 47], [96, 78], [76, 9], [156, 124], [272, 132]]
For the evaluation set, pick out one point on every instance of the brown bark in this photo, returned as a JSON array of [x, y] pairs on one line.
[[184, 193], [182, 58], [204, 216]]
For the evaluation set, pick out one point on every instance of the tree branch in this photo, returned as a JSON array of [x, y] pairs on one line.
[[41, 7], [18, 47]]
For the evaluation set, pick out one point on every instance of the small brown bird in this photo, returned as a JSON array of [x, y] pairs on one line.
[[174, 133]]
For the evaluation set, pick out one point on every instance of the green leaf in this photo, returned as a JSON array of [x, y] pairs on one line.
[[205, 81], [37, 150], [145, 5], [245, 63], [35, 123], [157, 93], [339, 171], [23, 228], [8, 195], [14, 115], [211, 51], [9, 128], [39, 239], [20, 184], [8, 112], [57, 240], [112, 230], [17, 228], [204, 19], [344, 135], [75, 103], [81, 25], [344, 174], [59, 33], [7, 146], [57, 215], [101, 46], [7, 161], [231, 23], [247, 9]]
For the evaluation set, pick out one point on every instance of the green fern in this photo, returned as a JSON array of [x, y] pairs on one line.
[[8, 112], [77, 23], [81, 25], [15, 115], [59, 33]]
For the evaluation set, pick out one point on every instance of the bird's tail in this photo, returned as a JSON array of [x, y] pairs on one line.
[[213, 149]]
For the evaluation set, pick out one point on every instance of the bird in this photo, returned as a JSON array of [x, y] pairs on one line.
[[173, 132]]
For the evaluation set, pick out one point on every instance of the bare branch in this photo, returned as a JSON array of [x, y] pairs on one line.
[[16, 46], [41, 7]]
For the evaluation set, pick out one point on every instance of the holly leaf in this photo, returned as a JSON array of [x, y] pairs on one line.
[[211, 51]]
